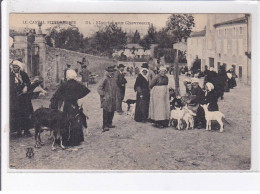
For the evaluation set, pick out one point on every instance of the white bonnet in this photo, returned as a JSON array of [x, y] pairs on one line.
[[71, 74], [210, 86]]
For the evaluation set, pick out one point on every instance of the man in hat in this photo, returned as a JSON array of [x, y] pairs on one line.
[[20, 101], [121, 83], [107, 91], [85, 74], [65, 71]]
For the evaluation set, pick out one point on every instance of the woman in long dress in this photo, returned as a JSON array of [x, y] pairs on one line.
[[21, 107], [142, 95], [69, 93], [159, 108]]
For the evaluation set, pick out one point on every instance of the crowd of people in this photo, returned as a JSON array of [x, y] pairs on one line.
[[154, 98]]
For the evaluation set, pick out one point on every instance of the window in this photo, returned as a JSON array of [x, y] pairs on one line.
[[225, 32], [240, 47], [240, 30], [225, 46], [219, 46], [234, 47], [240, 73], [234, 31]]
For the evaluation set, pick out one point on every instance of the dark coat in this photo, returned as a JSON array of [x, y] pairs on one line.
[[198, 95], [120, 93], [107, 91], [75, 116], [20, 104], [211, 98], [141, 88]]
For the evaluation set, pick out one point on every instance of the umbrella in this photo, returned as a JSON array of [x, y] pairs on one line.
[[71, 90]]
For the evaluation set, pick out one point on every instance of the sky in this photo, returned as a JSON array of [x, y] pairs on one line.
[[88, 24]]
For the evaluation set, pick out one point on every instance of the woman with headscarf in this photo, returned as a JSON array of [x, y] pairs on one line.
[[21, 107], [159, 108], [69, 93], [211, 97], [142, 90]]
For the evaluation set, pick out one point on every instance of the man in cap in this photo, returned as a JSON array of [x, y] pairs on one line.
[[121, 83], [107, 91], [65, 71], [20, 101]]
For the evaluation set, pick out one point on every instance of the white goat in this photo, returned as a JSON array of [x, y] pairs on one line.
[[178, 115], [213, 115], [188, 117]]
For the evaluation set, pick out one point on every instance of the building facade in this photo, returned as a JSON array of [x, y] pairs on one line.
[[227, 41], [196, 48]]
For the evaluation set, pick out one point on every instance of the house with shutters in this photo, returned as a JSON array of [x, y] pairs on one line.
[[225, 41]]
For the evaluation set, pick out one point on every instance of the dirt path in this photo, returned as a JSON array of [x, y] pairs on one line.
[[138, 146]]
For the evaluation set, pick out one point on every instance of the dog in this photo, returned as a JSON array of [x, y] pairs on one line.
[[132, 114], [130, 102], [177, 114], [49, 119], [213, 115], [188, 117]]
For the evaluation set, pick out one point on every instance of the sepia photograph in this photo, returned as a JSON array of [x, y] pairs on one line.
[[130, 91]]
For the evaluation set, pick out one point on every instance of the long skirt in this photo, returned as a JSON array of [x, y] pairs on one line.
[[142, 107], [159, 107]]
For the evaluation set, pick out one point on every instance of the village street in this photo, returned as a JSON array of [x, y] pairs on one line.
[[141, 146]]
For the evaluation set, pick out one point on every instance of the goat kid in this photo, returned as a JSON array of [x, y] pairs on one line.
[[188, 117], [213, 115], [177, 114]]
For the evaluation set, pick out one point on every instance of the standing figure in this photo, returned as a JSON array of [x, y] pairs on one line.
[[65, 72], [85, 75], [159, 108], [107, 91], [142, 90], [69, 93], [231, 78], [131, 71], [21, 108], [222, 81], [137, 71], [197, 99], [121, 83], [211, 97], [151, 74]]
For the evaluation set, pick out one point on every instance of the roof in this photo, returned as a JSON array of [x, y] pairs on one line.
[[199, 33], [234, 21], [130, 46]]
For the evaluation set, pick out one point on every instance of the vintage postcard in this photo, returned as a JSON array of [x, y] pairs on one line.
[[130, 91]]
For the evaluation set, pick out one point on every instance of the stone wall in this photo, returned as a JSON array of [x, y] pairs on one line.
[[56, 60]]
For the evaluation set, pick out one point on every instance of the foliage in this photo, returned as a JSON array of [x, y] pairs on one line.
[[109, 39], [70, 39], [165, 39], [149, 38], [136, 38], [180, 25]]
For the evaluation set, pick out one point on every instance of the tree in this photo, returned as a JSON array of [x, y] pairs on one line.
[[149, 38], [136, 38], [180, 25], [165, 39], [70, 39], [110, 38]]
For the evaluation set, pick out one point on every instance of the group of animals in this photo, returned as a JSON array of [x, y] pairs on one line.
[[55, 121], [183, 113]]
